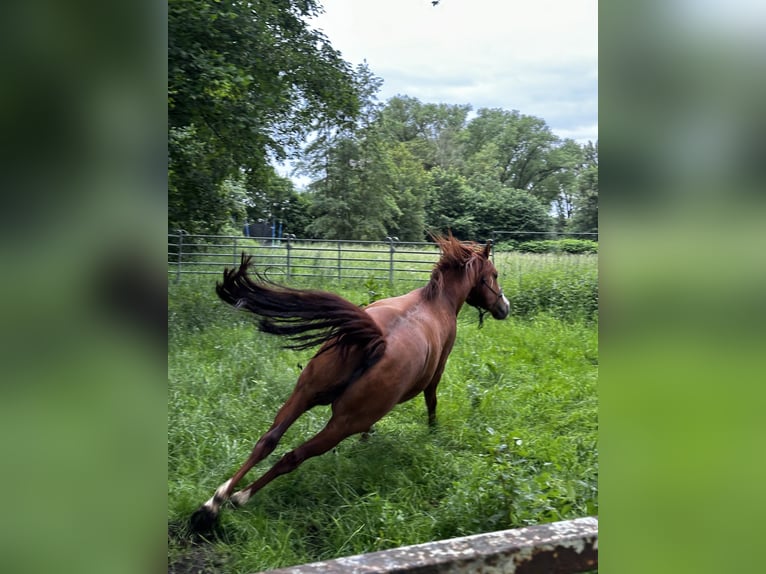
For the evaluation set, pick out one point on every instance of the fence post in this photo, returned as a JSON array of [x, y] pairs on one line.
[[289, 238], [391, 251], [339, 260], [180, 253], [235, 252]]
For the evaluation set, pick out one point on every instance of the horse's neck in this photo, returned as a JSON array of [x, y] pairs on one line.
[[454, 292]]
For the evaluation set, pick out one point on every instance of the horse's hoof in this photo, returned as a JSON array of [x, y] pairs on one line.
[[203, 520]]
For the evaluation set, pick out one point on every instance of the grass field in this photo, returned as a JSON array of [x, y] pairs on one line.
[[515, 442]]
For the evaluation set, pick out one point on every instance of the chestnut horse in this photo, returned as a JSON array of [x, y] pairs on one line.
[[370, 360]]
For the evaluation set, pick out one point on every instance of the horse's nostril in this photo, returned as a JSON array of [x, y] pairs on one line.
[[502, 310]]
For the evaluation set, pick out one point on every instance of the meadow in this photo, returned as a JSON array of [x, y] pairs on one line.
[[515, 444]]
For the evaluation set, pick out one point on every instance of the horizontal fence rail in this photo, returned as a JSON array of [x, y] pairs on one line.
[[562, 547], [290, 257]]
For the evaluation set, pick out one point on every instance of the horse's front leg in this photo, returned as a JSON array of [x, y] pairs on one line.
[[430, 394]]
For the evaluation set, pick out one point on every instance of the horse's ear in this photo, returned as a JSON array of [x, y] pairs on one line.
[[487, 249]]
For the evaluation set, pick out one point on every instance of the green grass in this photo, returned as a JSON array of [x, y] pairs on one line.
[[515, 444]]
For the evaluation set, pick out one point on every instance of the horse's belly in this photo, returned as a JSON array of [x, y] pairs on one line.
[[414, 375]]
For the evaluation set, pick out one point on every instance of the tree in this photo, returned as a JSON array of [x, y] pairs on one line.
[[448, 205], [197, 202], [353, 192], [509, 209], [247, 80], [432, 132], [330, 194], [521, 147], [585, 218], [410, 186], [277, 202], [562, 184]]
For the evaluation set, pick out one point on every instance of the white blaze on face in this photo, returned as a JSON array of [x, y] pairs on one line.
[[503, 308]]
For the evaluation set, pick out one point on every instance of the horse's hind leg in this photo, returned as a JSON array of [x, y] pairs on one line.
[[204, 518], [326, 439]]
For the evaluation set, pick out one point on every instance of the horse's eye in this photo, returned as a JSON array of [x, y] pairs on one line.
[[494, 275]]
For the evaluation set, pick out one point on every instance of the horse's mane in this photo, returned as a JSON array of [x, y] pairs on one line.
[[456, 255]]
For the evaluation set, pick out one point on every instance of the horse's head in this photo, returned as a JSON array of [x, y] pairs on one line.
[[486, 292]]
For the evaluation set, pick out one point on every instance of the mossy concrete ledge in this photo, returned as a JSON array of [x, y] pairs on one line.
[[556, 548]]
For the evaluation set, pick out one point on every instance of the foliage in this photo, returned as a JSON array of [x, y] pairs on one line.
[[410, 187], [353, 193], [448, 197], [515, 444], [508, 209], [197, 201], [433, 133], [246, 81], [521, 147], [585, 218], [558, 246], [275, 202], [562, 285], [251, 83], [505, 245], [407, 166]]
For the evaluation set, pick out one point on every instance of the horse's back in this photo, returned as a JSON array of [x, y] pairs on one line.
[[413, 321], [417, 339]]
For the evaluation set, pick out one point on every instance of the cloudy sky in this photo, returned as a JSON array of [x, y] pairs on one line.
[[535, 56]]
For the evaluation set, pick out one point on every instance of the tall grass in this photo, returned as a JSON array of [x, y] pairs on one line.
[[564, 285], [515, 443]]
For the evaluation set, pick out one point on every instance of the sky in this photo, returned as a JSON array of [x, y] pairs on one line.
[[539, 57]]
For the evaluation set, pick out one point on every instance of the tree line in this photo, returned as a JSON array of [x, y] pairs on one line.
[[250, 84]]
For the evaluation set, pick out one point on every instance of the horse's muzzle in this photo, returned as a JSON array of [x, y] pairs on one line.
[[501, 309]]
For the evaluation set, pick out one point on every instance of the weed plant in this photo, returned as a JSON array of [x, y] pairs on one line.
[[515, 443]]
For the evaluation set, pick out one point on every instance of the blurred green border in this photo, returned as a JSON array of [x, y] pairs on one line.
[[682, 280]]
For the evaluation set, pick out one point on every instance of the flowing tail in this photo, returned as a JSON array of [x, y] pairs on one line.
[[306, 317]]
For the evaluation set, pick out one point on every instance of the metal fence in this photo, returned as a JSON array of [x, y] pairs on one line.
[[292, 257]]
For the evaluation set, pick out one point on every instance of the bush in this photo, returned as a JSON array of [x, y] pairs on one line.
[[506, 245], [577, 245], [559, 246], [536, 246]]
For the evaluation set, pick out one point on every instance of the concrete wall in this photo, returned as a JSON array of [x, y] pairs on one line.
[[556, 548]]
